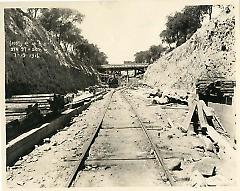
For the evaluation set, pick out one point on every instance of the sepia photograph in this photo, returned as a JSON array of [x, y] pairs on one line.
[[120, 94]]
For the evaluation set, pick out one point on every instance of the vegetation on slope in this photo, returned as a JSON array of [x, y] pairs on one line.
[[179, 27], [38, 62], [209, 54]]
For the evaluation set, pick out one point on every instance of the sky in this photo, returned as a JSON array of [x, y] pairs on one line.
[[122, 28]]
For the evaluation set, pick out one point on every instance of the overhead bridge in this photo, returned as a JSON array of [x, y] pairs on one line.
[[116, 70], [123, 67]]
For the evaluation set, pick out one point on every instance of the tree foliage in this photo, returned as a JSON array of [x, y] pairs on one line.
[[150, 55], [182, 25], [63, 24], [60, 21]]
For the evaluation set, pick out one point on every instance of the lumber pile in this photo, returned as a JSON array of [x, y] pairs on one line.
[[25, 111], [219, 90], [17, 106], [201, 120]]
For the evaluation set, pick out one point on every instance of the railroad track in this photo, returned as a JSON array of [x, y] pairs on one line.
[[120, 151]]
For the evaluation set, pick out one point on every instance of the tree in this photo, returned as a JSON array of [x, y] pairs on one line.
[[150, 55], [142, 57], [182, 25], [90, 53], [60, 21], [156, 52], [62, 24]]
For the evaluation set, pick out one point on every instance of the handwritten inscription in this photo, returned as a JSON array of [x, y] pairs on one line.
[[30, 49]]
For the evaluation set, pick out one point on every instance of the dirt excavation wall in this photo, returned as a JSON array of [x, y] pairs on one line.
[[36, 63], [208, 53]]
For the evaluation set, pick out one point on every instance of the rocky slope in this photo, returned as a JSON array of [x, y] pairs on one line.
[[209, 53], [36, 63]]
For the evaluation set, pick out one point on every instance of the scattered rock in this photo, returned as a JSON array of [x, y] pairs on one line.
[[207, 166], [9, 177], [210, 147], [20, 183], [174, 164], [197, 144], [18, 163], [30, 178], [196, 157], [34, 159], [197, 180], [47, 148], [42, 186], [161, 100], [28, 160], [94, 166], [84, 127], [170, 136], [151, 152], [107, 167], [87, 168], [46, 140], [54, 143], [191, 133]]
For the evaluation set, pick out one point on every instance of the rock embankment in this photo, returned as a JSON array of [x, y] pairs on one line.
[[209, 53], [36, 63]]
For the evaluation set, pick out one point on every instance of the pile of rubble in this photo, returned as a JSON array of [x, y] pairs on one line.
[[209, 53], [165, 97]]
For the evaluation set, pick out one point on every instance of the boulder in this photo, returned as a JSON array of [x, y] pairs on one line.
[[197, 180], [162, 100], [206, 166], [174, 164]]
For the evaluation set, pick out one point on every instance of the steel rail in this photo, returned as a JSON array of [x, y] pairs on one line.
[[88, 145], [156, 150]]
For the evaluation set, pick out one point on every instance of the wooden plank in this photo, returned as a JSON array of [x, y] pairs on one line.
[[201, 117], [170, 122], [33, 95], [222, 143], [188, 118], [219, 123], [12, 118], [208, 111], [26, 101], [16, 105], [15, 110], [15, 114], [173, 107]]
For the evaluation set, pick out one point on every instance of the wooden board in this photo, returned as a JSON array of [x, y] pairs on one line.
[[188, 118], [33, 96], [201, 117]]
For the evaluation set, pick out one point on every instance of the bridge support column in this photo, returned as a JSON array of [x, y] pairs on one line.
[[127, 77]]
